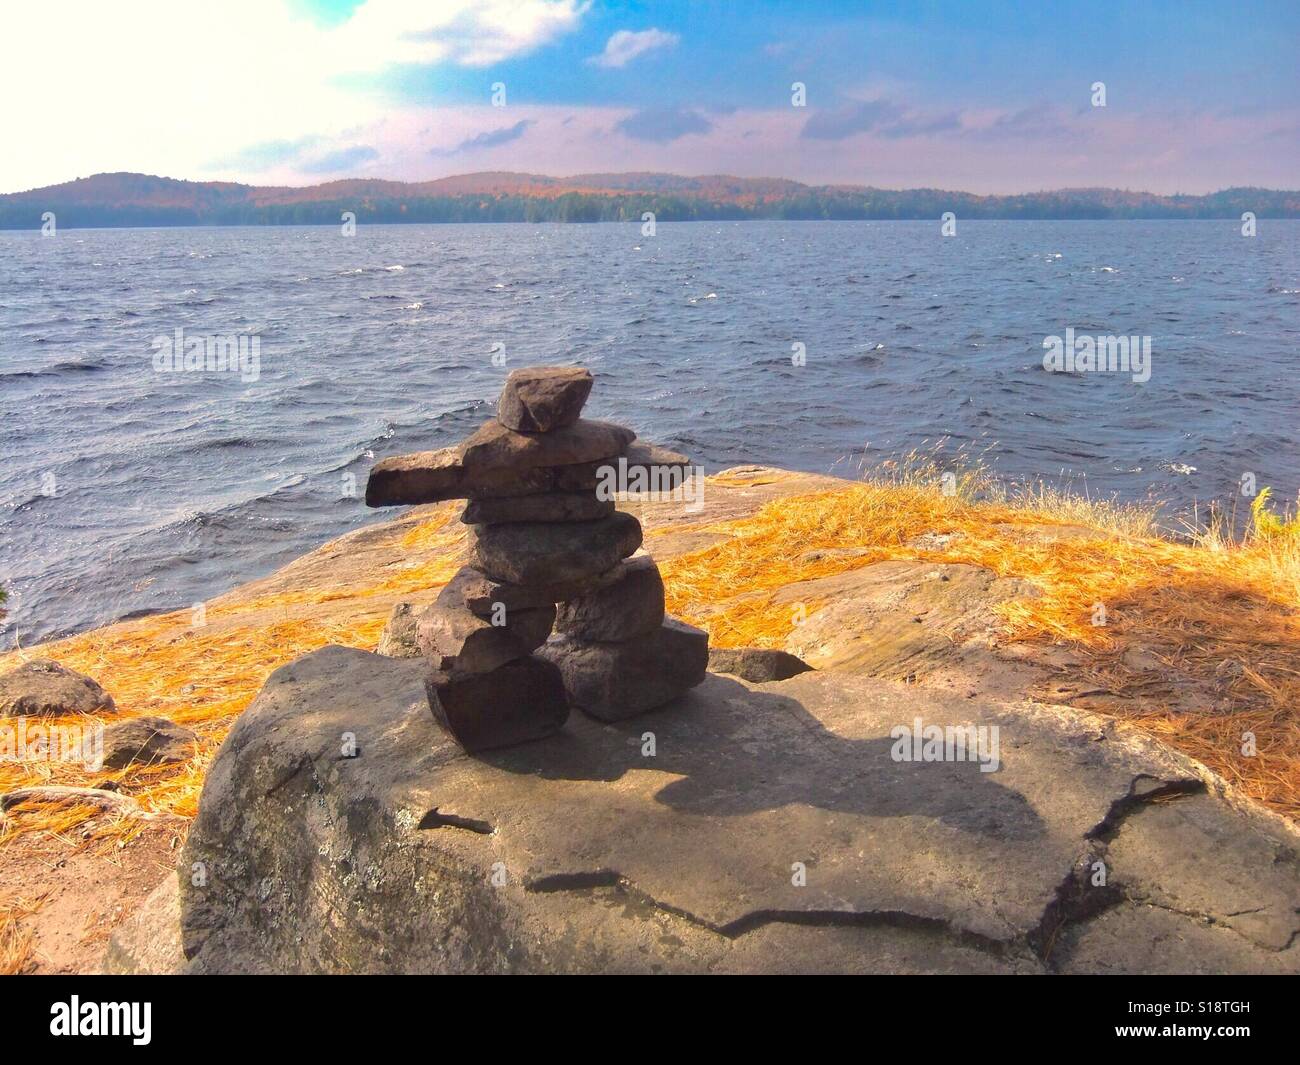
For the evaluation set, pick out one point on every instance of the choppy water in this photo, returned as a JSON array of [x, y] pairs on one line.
[[123, 489]]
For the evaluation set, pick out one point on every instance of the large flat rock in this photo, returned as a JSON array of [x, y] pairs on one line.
[[587, 852]]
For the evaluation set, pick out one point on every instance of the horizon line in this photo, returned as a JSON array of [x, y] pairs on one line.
[[714, 175]]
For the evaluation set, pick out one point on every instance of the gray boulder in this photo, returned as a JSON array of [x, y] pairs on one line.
[[745, 830], [147, 740], [43, 688]]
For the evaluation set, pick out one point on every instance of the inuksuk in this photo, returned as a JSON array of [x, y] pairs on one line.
[[549, 550]]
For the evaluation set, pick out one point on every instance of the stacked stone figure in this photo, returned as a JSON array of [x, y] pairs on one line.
[[548, 551]]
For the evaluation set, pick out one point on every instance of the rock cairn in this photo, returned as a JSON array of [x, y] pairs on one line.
[[548, 551]]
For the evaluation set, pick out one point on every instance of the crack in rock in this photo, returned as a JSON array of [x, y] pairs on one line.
[[608, 878], [1143, 789], [1076, 899]]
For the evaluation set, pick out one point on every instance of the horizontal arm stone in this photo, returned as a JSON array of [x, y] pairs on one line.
[[432, 476]]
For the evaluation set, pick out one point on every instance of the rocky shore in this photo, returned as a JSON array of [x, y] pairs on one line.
[[773, 819]]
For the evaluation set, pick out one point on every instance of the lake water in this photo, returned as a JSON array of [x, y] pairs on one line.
[[124, 489]]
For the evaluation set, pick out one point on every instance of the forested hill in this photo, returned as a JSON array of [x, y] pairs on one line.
[[144, 200]]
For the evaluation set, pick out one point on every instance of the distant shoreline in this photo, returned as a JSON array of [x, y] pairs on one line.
[[111, 227], [138, 200]]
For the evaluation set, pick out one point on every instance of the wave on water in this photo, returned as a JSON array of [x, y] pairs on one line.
[[359, 362], [74, 366]]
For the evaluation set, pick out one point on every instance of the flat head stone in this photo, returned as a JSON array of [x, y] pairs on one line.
[[549, 555], [520, 701], [613, 681], [539, 399], [494, 447], [629, 607], [42, 687], [540, 507], [452, 638]]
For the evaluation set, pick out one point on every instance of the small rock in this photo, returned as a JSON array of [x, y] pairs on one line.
[[556, 553], [455, 639], [147, 740], [494, 447], [821, 554], [932, 541], [612, 681], [1141, 660], [398, 638], [758, 665], [629, 607], [43, 687], [520, 701], [539, 399], [542, 507]]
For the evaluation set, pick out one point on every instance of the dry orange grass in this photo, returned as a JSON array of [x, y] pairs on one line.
[[16, 955], [1221, 619], [203, 677], [1224, 619]]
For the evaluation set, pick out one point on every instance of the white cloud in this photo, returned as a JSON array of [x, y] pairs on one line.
[[167, 86], [625, 45], [472, 33]]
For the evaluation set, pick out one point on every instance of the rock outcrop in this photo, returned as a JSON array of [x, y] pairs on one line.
[[44, 688], [768, 828]]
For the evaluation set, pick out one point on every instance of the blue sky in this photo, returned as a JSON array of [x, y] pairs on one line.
[[988, 97], [730, 55]]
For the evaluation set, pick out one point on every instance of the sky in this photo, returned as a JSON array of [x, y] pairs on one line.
[[992, 97]]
